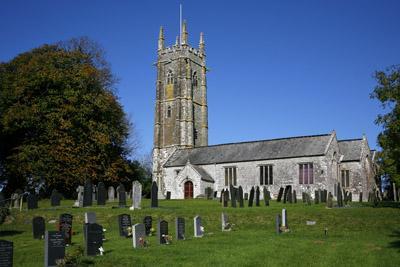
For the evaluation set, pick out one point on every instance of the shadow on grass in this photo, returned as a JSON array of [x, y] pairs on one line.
[[395, 243], [10, 233]]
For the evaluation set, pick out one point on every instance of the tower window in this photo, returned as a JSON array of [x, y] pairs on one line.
[[170, 77], [169, 112], [194, 80], [195, 133]]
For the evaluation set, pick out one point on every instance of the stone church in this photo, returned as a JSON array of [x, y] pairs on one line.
[[185, 165]]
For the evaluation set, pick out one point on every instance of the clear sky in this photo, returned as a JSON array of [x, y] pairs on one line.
[[277, 68]]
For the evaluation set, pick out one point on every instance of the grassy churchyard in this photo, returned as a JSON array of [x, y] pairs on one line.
[[359, 235]]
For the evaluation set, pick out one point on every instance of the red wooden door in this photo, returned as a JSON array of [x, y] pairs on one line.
[[188, 189]]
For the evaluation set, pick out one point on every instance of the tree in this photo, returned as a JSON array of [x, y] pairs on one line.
[[387, 92], [60, 119]]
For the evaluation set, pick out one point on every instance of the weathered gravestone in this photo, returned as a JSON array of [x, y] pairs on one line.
[[360, 197], [221, 197], [350, 197], [79, 200], [294, 196], [101, 194], [226, 198], [316, 197], [290, 195], [232, 192], [147, 221], [246, 196], [54, 248], [303, 197], [225, 225], [308, 198], [284, 219], [90, 217], [251, 197], [278, 224], [55, 198], [180, 228], [240, 197], [168, 197], [32, 202], [15, 200], [111, 194], [209, 193], [345, 197], [257, 196], [198, 231], [215, 194], [280, 194], [87, 193], [339, 195], [138, 235], [124, 222], [233, 196], [154, 195], [286, 195], [65, 227], [329, 203], [325, 197], [94, 193], [162, 232], [136, 195], [94, 239], [38, 227], [121, 196], [6, 253]]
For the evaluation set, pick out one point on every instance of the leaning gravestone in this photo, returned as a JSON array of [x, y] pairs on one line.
[[6, 253], [251, 197], [233, 197], [257, 196], [147, 221], [289, 195], [101, 194], [65, 227], [240, 192], [226, 198], [124, 222], [79, 200], [111, 194], [32, 202], [55, 198], [87, 193], [162, 232], [138, 235], [198, 232], [38, 227], [330, 200], [90, 217], [180, 228], [136, 195], [54, 248], [121, 196], [280, 194], [94, 239], [325, 198], [339, 195], [286, 193], [154, 195]]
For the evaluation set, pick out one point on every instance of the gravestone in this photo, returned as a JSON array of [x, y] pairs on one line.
[[162, 231], [325, 198], [65, 227], [278, 224], [246, 196], [294, 196], [94, 239], [346, 197], [226, 198], [316, 197], [94, 193], [303, 197], [286, 195], [136, 195], [339, 195], [221, 197], [111, 194], [257, 196], [180, 228], [225, 225], [251, 197], [215, 194], [330, 200], [308, 198], [6, 253], [234, 194], [208, 193], [55, 198], [101, 194], [121, 196], [138, 235], [290, 196], [79, 200], [168, 197], [350, 197], [54, 248], [38, 227], [124, 222], [198, 232], [148, 221], [360, 197], [284, 218], [87, 193], [240, 196], [280, 194], [154, 195], [32, 202], [394, 192], [90, 217], [15, 200]]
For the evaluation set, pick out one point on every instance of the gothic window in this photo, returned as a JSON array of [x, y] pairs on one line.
[[195, 133], [169, 112], [194, 80], [266, 175], [345, 178], [306, 173], [170, 77], [230, 176]]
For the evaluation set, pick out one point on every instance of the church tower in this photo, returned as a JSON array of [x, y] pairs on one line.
[[181, 118]]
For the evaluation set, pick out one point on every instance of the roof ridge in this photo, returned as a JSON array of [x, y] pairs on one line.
[[350, 140]]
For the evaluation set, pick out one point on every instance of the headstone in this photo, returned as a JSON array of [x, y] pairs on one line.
[[225, 225], [215, 194], [325, 198], [346, 197], [15, 199], [394, 192], [251, 197], [303, 197], [111, 194], [278, 224], [38, 227], [246, 196], [147, 221], [79, 200], [257, 196], [54, 248], [286, 195], [240, 196], [221, 197], [360, 197], [90, 217], [198, 232], [87, 193], [32, 202], [294, 196], [122, 196], [124, 222], [280, 194], [94, 239], [208, 193], [233, 197], [55, 198], [162, 232], [226, 198], [94, 193], [6, 253], [138, 235], [339, 195], [136, 195], [154, 195], [101, 194], [180, 228], [350, 197], [168, 197], [284, 218], [316, 197], [290, 195], [65, 227], [330, 200], [308, 198]]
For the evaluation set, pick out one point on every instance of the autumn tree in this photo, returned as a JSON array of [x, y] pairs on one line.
[[60, 119]]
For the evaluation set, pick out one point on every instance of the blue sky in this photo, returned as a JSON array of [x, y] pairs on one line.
[[277, 68]]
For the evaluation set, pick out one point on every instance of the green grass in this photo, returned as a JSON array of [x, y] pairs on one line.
[[357, 236]]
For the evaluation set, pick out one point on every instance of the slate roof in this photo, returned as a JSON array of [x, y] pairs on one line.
[[291, 147], [204, 175], [350, 149]]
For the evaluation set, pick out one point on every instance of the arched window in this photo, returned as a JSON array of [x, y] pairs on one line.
[[169, 111], [170, 77], [194, 80]]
